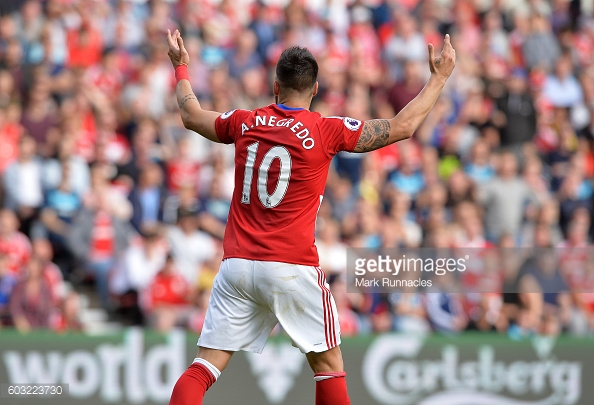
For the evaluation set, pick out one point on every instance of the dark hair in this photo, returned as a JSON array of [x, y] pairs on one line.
[[297, 69]]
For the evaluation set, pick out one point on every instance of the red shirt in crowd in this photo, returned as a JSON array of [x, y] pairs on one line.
[[9, 144], [85, 47], [18, 250], [168, 288], [102, 237], [182, 173]]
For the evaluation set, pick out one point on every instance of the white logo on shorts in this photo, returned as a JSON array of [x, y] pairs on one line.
[[352, 123], [226, 115]]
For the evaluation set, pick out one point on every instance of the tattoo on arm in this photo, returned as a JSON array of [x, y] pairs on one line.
[[186, 98], [375, 135]]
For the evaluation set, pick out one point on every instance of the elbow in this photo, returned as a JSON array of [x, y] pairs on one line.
[[402, 131], [187, 124], [187, 121], [406, 133]]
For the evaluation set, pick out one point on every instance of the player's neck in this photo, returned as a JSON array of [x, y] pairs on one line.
[[293, 102]]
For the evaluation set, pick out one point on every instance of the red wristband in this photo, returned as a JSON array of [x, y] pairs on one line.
[[181, 73]]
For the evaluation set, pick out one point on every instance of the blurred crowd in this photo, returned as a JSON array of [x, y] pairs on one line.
[[106, 194]]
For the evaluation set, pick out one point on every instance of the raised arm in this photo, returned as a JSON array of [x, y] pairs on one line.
[[379, 133], [192, 115]]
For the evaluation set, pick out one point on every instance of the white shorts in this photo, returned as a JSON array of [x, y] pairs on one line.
[[249, 297]]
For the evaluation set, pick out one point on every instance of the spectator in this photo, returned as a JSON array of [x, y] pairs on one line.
[[574, 194], [254, 89], [577, 230], [546, 220], [581, 284], [112, 147], [106, 76], [214, 209], [97, 238], [410, 314], [245, 57], [480, 168], [342, 198], [471, 233], [522, 304], [504, 199], [562, 89], [10, 129], [431, 207], [23, 183], [139, 264], [14, 244], [409, 85], [498, 39], [7, 283], [399, 212], [185, 200], [542, 271], [148, 197], [167, 295], [408, 178], [533, 174], [380, 317], [407, 45], [62, 204], [78, 176], [184, 171], [350, 325], [29, 21], [518, 119], [333, 253], [31, 300], [39, 114], [84, 42], [540, 48], [69, 318], [190, 248]]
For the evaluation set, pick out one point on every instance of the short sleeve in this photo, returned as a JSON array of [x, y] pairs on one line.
[[228, 125], [340, 134]]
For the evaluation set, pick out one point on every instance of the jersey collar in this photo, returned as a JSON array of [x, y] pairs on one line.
[[287, 108]]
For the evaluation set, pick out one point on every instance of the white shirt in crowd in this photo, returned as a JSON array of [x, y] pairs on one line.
[[190, 251], [29, 184]]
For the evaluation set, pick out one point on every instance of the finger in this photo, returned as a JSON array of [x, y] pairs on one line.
[[173, 41], [431, 50], [447, 43], [180, 43], [169, 38]]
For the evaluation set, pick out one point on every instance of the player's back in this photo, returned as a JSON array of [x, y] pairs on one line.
[[282, 156]]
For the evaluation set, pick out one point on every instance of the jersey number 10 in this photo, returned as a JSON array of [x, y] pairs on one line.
[[267, 200]]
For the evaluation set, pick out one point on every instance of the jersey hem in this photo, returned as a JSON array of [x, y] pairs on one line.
[[259, 259]]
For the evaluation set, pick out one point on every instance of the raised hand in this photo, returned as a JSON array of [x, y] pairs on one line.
[[177, 51], [443, 65]]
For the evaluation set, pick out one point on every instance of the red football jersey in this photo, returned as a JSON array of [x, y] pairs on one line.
[[282, 156]]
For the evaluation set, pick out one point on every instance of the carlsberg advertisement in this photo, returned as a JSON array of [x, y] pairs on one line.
[[140, 367]]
